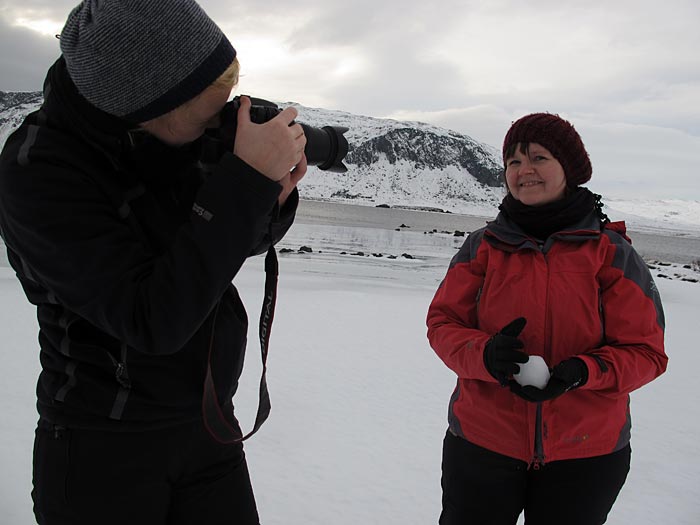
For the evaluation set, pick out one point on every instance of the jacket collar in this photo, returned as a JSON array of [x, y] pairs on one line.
[[66, 108], [506, 234]]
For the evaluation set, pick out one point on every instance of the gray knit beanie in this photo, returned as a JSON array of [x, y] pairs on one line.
[[139, 59]]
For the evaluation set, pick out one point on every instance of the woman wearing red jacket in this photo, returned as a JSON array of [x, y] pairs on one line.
[[549, 277]]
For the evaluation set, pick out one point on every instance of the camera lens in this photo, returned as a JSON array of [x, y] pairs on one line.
[[326, 147]]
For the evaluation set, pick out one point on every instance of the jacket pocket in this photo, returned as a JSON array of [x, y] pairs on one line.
[[51, 468]]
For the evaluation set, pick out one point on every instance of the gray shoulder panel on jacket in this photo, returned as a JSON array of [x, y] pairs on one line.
[[468, 250], [635, 269]]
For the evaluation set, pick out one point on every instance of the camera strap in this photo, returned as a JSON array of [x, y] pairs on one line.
[[215, 420]]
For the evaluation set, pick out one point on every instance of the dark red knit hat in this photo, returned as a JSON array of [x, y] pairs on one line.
[[559, 137]]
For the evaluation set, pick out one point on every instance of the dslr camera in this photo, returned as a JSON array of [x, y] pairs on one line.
[[326, 147]]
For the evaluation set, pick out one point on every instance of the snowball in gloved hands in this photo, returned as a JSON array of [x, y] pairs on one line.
[[535, 373], [567, 375]]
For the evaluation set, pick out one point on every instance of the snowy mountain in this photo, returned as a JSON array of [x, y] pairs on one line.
[[389, 162], [13, 108], [409, 164]]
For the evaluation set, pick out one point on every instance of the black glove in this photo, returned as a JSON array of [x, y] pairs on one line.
[[567, 375], [501, 353]]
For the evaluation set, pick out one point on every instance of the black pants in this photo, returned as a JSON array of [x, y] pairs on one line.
[[480, 487], [178, 476]]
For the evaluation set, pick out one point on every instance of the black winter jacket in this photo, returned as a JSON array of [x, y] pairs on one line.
[[126, 248]]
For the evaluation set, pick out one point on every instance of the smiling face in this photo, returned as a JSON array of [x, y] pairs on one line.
[[534, 176]]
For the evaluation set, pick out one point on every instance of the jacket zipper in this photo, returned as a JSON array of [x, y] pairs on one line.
[[538, 460], [601, 314]]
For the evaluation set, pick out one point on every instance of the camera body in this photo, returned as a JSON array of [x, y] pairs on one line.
[[326, 147]]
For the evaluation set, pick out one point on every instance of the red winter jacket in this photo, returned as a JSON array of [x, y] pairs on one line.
[[584, 293]]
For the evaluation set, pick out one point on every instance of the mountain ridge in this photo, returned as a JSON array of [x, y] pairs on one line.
[[406, 164]]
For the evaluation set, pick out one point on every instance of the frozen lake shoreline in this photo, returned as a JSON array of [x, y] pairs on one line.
[[661, 243]]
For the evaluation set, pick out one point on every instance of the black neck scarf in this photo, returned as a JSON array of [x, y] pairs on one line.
[[542, 221]]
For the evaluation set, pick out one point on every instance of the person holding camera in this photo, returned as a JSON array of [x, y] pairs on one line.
[[128, 248], [552, 277]]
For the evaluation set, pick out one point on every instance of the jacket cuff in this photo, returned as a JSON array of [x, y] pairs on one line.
[[289, 209], [597, 370], [231, 165], [479, 365]]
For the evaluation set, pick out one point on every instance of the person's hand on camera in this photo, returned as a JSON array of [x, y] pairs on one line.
[[502, 352], [274, 147], [290, 181], [567, 375]]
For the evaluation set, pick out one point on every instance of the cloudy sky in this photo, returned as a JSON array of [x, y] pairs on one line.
[[626, 73]]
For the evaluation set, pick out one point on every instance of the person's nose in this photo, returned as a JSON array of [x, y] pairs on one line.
[[526, 167]]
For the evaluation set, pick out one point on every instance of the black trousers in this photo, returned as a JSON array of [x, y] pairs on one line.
[[178, 476], [480, 487]]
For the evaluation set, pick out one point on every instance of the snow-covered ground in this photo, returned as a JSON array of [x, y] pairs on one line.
[[360, 400]]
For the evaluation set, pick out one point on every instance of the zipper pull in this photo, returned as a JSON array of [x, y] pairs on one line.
[[122, 376], [537, 463]]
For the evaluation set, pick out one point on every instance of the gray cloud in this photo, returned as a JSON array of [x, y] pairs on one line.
[[25, 58], [51, 9]]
